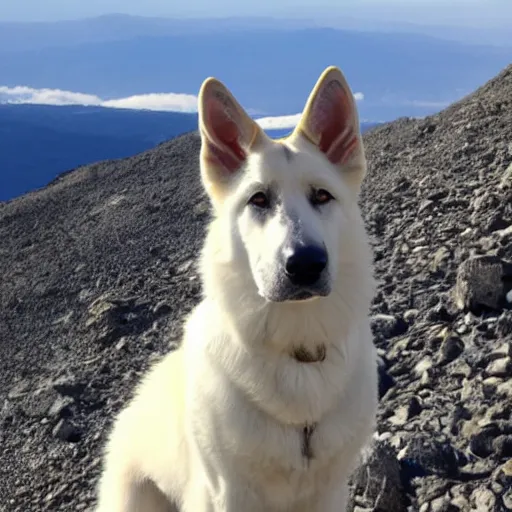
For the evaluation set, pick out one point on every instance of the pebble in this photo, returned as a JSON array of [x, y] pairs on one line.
[[500, 367], [451, 348], [66, 431], [483, 499]]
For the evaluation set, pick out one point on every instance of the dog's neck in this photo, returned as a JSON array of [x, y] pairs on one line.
[[303, 331]]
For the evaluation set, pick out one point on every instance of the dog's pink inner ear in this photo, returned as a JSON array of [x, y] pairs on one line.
[[224, 137], [332, 122]]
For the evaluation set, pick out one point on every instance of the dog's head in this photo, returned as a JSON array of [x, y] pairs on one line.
[[285, 206]]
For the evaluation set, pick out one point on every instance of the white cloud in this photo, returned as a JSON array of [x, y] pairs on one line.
[[291, 121], [173, 102], [394, 100], [429, 104], [154, 101], [279, 122], [23, 94], [157, 101]]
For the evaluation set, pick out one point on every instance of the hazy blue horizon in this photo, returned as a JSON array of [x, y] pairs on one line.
[[476, 14]]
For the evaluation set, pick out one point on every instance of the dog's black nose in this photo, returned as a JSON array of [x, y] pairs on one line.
[[305, 264]]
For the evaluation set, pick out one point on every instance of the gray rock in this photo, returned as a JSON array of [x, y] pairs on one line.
[[451, 348], [483, 499], [60, 407], [481, 443], [430, 456], [506, 181], [66, 431], [376, 484], [388, 326], [69, 385], [500, 367], [483, 281]]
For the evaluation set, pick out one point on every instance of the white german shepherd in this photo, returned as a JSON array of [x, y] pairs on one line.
[[272, 395]]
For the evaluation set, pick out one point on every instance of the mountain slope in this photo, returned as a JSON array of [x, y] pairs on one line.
[[440, 193], [96, 273]]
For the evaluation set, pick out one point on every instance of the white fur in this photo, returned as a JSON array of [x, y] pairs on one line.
[[217, 425]]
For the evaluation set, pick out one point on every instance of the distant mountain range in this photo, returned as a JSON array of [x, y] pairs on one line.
[[38, 142], [19, 36], [269, 64]]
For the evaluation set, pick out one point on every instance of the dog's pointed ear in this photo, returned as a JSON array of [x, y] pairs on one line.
[[227, 132], [331, 122]]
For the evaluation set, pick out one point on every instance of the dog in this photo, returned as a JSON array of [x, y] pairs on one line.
[[271, 396]]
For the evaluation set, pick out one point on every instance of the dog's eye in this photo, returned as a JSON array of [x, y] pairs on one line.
[[260, 200], [321, 196]]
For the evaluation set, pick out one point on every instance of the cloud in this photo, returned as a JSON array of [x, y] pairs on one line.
[[291, 121], [23, 94], [279, 122], [429, 104], [396, 101], [171, 102], [155, 101]]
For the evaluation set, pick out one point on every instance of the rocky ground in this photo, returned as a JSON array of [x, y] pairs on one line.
[[96, 271]]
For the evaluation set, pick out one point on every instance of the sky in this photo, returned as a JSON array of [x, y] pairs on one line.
[[476, 13]]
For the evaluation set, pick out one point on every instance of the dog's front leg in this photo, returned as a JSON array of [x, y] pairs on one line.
[[237, 500], [218, 485], [197, 499], [234, 497], [333, 500]]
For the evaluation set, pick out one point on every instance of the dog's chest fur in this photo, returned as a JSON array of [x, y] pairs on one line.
[[304, 355], [290, 463], [284, 418], [278, 417]]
